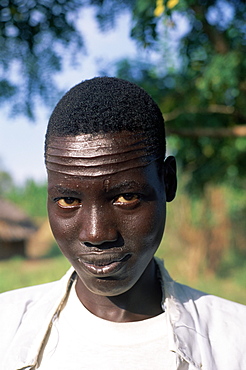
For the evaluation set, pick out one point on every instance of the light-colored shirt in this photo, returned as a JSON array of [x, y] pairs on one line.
[[205, 332], [80, 340]]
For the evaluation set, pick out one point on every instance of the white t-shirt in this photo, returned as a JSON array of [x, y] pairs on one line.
[[81, 340]]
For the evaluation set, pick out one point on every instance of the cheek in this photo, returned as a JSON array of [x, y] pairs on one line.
[[146, 226], [156, 224], [62, 228]]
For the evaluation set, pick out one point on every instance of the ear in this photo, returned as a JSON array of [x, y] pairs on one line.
[[170, 178]]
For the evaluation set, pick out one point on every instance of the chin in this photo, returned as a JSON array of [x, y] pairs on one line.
[[109, 287]]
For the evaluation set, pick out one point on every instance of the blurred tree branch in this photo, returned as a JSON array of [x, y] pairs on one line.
[[214, 108], [235, 131]]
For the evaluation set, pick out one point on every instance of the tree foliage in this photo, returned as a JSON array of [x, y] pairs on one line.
[[6, 182], [36, 38], [34, 35], [31, 197], [200, 84]]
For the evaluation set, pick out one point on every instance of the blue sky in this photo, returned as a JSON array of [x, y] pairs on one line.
[[21, 142]]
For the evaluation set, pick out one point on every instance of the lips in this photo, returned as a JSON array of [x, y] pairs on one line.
[[102, 263]]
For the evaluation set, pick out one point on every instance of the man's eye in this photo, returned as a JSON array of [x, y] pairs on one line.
[[127, 199], [68, 202]]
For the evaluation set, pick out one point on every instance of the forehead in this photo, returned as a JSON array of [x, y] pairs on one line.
[[98, 155]]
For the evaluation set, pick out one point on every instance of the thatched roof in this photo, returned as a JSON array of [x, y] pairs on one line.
[[14, 223]]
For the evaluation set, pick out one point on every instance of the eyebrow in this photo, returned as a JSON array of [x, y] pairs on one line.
[[64, 191], [127, 185]]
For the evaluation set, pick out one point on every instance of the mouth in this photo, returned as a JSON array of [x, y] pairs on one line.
[[102, 263]]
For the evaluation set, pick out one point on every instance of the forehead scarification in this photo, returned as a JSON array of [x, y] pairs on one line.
[[96, 155], [87, 145]]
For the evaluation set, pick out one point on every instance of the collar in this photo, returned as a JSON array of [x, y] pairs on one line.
[[187, 336]]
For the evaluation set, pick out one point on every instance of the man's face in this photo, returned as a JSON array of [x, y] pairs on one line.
[[106, 207]]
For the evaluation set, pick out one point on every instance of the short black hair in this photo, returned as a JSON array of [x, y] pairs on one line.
[[104, 105]]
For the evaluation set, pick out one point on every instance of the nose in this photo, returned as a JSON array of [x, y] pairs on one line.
[[98, 227]]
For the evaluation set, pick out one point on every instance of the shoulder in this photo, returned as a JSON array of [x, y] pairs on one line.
[[27, 297], [207, 329], [29, 304], [213, 311], [16, 304], [207, 302], [215, 318], [27, 312]]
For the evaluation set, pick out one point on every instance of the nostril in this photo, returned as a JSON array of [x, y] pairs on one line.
[[104, 245], [119, 242]]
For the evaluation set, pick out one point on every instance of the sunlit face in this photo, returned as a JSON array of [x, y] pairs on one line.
[[106, 207]]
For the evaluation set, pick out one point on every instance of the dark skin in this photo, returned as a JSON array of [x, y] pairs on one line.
[[109, 223]]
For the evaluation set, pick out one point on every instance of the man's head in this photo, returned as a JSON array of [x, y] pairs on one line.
[[108, 105], [108, 183]]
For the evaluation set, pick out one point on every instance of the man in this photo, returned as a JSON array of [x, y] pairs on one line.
[[117, 308]]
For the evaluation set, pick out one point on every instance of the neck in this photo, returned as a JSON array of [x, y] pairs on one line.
[[141, 302]]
